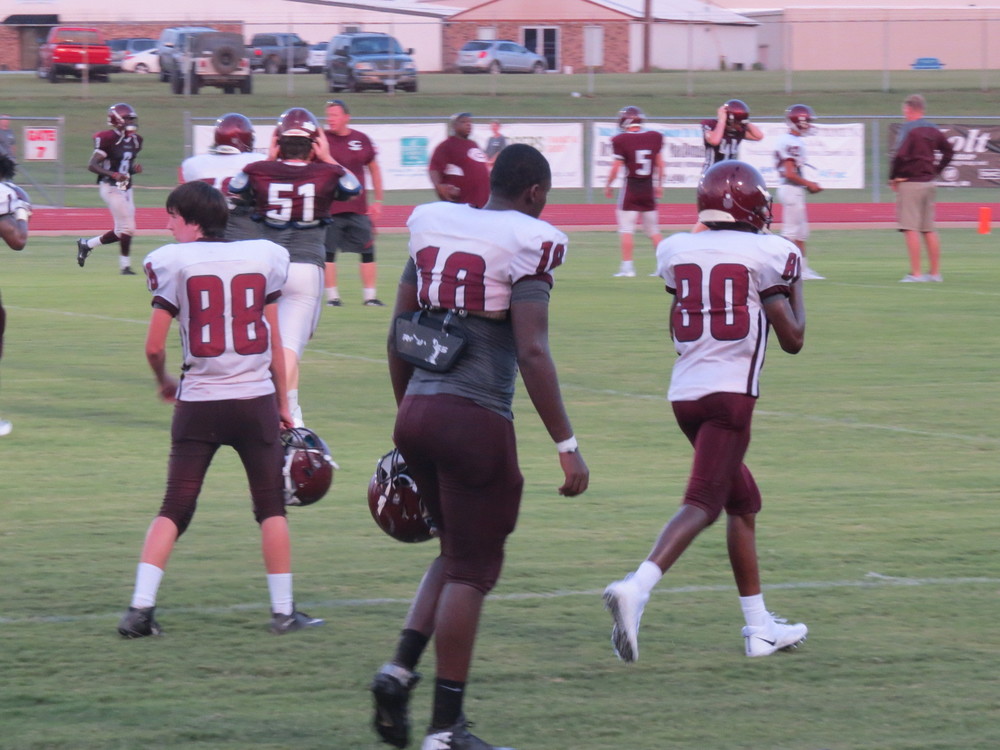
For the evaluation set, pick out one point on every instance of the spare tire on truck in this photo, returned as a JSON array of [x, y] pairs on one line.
[[226, 59]]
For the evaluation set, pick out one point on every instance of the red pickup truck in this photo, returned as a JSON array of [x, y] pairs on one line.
[[74, 51]]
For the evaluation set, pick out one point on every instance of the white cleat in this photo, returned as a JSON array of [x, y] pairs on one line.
[[625, 602], [777, 636], [624, 274]]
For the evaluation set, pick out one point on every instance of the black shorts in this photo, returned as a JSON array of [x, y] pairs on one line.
[[350, 233], [251, 427]]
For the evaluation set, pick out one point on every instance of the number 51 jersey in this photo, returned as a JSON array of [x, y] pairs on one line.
[[217, 292], [719, 279]]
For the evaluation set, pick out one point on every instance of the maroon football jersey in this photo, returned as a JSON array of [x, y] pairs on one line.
[[354, 151], [293, 194], [637, 151], [729, 146], [462, 163], [119, 152]]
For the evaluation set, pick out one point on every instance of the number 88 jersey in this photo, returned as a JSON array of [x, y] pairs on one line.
[[719, 279], [217, 292]]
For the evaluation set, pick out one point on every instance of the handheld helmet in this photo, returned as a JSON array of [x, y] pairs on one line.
[[395, 503], [308, 468], [298, 122], [737, 113]]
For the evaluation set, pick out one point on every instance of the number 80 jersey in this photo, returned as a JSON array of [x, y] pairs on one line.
[[470, 258], [217, 292], [719, 279]]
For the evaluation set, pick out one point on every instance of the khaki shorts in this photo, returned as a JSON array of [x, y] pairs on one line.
[[915, 206]]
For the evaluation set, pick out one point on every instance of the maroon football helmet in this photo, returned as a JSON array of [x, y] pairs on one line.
[[233, 134], [308, 468], [733, 192], [298, 122], [395, 503], [122, 117], [737, 113], [799, 118], [629, 116]]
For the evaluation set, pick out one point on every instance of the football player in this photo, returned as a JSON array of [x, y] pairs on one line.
[[790, 159], [351, 222], [291, 195], [114, 163], [232, 392], [458, 167], [724, 134], [454, 428], [638, 151], [15, 210], [720, 340], [232, 149]]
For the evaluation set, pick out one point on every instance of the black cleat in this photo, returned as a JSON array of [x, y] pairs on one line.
[[281, 624], [457, 737], [82, 251], [138, 622], [128, 271], [374, 303], [334, 302], [391, 691]]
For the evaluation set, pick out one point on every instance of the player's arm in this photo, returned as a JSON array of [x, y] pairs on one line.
[[787, 316], [793, 176], [612, 176], [96, 165], [445, 191], [156, 353], [752, 132], [659, 170], [713, 137], [530, 321], [400, 371], [277, 366], [375, 206], [14, 232]]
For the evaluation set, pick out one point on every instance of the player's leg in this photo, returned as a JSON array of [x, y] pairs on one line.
[[626, 240], [332, 241], [299, 308]]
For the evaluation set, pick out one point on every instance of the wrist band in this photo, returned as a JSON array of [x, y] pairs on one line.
[[569, 445]]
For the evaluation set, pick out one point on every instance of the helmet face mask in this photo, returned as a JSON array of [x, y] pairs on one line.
[[308, 468], [630, 116], [234, 134], [732, 194], [395, 504], [737, 113], [799, 118], [123, 117]]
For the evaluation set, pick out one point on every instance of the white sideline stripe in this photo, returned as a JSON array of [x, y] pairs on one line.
[[870, 581]]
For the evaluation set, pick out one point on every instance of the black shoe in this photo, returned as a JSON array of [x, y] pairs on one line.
[[128, 271], [391, 691], [457, 737], [374, 303], [281, 624], [82, 251], [138, 622], [334, 302]]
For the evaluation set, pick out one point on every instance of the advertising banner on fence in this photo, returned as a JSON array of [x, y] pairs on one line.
[[977, 155], [836, 153]]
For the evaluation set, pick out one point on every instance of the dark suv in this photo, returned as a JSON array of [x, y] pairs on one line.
[[368, 60]]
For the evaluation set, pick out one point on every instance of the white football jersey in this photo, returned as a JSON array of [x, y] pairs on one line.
[[216, 169], [9, 199], [791, 146], [469, 258], [217, 292], [719, 278]]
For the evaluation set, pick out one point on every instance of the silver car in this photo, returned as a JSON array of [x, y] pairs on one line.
[[498, 56]]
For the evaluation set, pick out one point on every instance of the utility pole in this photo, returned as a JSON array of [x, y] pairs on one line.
[[647, 37]]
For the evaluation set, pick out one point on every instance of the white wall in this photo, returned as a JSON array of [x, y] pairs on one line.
[[694, 46]]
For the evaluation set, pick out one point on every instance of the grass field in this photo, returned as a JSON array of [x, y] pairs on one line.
[[661, 95], [876, 449]]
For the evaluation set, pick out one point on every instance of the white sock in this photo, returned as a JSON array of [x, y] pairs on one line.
[[369, 293], [124, 261], [647, 575], [332, 293], [628, 265], [147, 583], [94, 242], [754, 611], [279, 585]]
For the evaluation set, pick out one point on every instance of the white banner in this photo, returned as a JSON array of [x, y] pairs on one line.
[[405, 148], [836, 153]]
